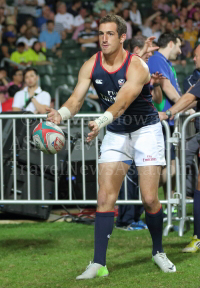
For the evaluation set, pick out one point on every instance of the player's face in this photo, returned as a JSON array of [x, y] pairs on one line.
[[197, 57], [31, 79], [109, 39], [176, 50]]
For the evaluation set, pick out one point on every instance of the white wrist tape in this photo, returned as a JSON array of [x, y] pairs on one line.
[[104, 120], [64, 113]]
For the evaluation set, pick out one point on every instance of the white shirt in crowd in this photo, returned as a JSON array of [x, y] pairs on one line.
[[66, 19], [79, 20], [147, 31], [136, 17], [20, 98], [27, 42]]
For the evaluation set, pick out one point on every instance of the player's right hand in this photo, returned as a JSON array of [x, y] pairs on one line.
[[53, 116], [94, 131]]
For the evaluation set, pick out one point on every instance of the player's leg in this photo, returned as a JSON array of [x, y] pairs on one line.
[[111, 176], [149, 179]]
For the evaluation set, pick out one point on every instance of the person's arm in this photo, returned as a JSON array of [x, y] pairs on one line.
[[148, 21], [169, 90], [41, 109], [137, 76], [72, 106], [186, 100], [16, 109], [157, 94]]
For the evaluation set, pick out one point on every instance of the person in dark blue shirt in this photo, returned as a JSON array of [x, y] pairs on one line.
[[134, 131]]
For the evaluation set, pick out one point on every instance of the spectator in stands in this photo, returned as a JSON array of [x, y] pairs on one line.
[[17, 78], [196, 18], [29, 25], [27, 7], [154, 8], [20, 55], [4, 80], [190, 34], [31, 98], [36, 55], [153, 30], [80, 18], [65, 18], [88, 38], [163, 6], [28, 39], [118, 7], [8, 46], [135, 15], [179, 5], [177, 27], [74, 9], [6, 102], [46, 12], [58, 27], [125, 15], [103, 4], [50, 37], [183, 16]]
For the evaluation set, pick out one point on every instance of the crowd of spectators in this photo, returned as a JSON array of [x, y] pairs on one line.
[[29, 29]]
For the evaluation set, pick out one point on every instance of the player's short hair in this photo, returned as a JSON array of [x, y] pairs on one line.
[[30, 69], [137, 41], [167, 37], [120, 22]]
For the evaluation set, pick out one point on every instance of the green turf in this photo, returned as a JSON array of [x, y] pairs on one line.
[[53, 254]]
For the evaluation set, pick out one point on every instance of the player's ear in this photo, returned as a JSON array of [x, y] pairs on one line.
[[122, 38]]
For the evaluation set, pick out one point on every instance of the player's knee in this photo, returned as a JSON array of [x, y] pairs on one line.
[[105, 199], [150, 201]]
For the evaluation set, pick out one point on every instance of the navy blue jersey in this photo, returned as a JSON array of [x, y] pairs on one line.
[[107, 84]]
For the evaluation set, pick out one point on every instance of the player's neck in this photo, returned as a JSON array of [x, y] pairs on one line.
[[115, 58], [164, 52]]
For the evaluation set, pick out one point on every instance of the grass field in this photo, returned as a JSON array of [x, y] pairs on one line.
[[53, 254]]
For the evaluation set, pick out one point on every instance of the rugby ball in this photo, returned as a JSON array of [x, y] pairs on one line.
[[48, 137]]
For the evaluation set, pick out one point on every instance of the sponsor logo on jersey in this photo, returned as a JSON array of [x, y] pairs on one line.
[[121, 82], [99, 81]]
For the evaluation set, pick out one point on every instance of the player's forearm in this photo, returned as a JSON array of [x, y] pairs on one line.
[[183, 103], [74, 105]]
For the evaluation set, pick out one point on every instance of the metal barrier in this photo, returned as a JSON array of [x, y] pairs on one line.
[[82, 117]]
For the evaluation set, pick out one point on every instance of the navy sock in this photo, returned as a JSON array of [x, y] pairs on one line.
[[154, 222], [197, 213], [104, 223]]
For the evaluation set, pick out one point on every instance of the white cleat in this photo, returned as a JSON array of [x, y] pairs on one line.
[[163, 262], [93, 270]]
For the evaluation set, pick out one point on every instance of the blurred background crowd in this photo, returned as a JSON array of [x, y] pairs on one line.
[[58, 37]]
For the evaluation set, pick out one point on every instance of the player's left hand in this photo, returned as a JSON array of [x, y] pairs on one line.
[[94, 130]]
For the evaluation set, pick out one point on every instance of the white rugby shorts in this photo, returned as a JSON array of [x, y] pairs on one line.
[[145, 146]]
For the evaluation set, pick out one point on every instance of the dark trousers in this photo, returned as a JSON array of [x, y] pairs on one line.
[[129, 213]]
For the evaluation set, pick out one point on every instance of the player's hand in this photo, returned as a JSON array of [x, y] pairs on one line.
[[148, 46], [162, 116], [53, 116], [156, 78], [94, 130]]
